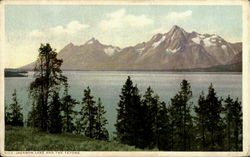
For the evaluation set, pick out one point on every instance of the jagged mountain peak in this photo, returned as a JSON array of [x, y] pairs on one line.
[[176, 28], [175, 49], [171, 42], [177, 32], [92, 41], [69, 44]]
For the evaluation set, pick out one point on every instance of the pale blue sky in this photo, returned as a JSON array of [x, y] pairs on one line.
[[121, 25]]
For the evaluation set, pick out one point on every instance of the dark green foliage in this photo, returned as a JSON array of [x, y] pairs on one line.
[[68, 104], [33, 117], [201, 121], [128, 124], [101, 133], [233, 120], [48, 78], [149, 109], [181, 123], [7, 116], [155, 121], [87, 113], [54, 115], [209, 122], [14, 116], [214, 122], [143, 123], [92, 121], [163, 128]]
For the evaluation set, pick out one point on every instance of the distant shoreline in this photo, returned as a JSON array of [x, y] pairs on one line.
[[15, 73], [237, 67], [151, 71]]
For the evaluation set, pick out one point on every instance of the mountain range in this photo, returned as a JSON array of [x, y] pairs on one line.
[[174, 50]]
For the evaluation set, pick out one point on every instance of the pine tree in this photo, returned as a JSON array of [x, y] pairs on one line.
[[48, 78], [7, 116], [163, 128], [229, 120], [68, 104], [214, 122], [54, 115], [128, 125], [32, 117], [155, 121], [88, 114], [233, 119], [15, 117], [101, 133], [181, 119], [201, 121], [237, 114], [149, 117]]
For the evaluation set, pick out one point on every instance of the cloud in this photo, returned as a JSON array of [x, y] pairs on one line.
[[26, 45], [179, 15], [172, 18], [70, 28], [36, 33], [160, 30], [120, 19]]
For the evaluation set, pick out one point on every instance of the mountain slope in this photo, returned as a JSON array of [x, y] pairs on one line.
[[91, 55], [176, 49]]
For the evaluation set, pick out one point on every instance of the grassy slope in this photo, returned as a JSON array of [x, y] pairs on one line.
[[29, 139]]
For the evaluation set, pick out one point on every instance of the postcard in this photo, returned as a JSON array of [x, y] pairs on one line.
[[125, 78]]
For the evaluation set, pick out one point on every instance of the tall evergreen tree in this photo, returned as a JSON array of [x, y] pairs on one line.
[[214, 122], [32, 120], [201, 121], [181, 119], [15, 117], [101, 132], [233, 119], [54, 115], [68, 113], [228, 120], [154, 121], [7, 116], [88, 114], [48, 77], [149, 117], [128, 124], [162, 131]]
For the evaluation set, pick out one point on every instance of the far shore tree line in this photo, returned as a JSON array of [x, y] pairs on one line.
[[211, 124]]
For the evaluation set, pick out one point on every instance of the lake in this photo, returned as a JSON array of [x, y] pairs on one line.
[[107, 85]]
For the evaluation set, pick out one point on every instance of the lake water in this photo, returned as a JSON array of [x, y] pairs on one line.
[[107, 85]]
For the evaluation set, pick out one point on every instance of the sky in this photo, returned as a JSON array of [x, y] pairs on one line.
[[27, 26]]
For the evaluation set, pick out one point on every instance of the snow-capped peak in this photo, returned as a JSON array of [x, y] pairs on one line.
[[110, 51], [157, 43], [208, 40]]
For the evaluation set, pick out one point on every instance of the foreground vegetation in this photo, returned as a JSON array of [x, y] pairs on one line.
[[31, 139], [211, 124]]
